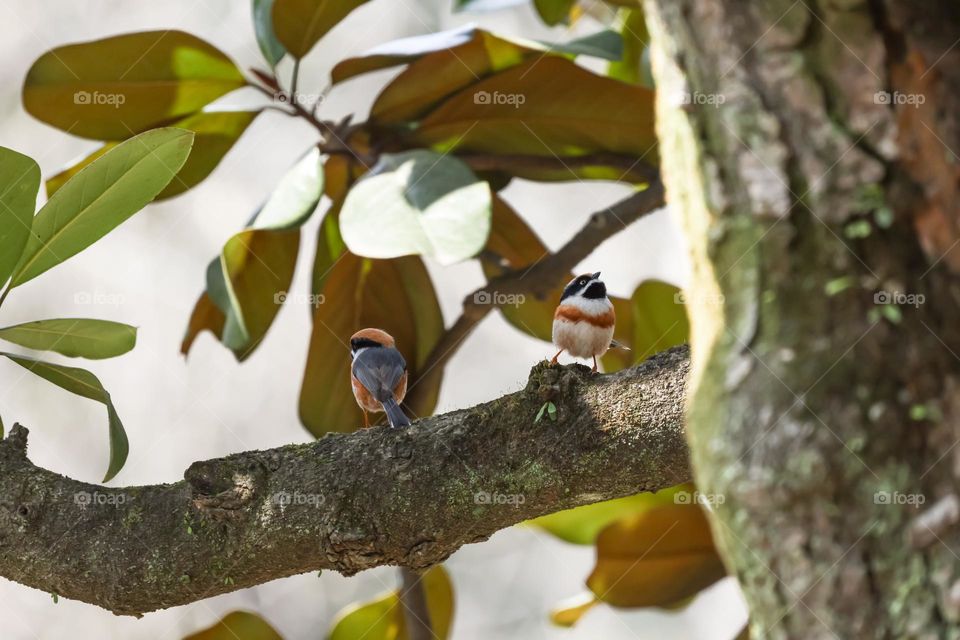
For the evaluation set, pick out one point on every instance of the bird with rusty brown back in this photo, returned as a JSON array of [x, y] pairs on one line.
[[378, 376]]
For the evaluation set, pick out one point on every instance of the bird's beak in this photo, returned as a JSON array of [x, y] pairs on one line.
[[595, 276]]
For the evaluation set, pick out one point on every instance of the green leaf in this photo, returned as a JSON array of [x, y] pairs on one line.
[[553, 12], [484, 6], [395, 295], [1, 429], [383, 618], [633, 65], [653, 320], [418, 203], [299, 24], [271, 48], [102, 196], [74, 337], [215, 134], [83, 383], [249, 282], [581, 525], [547, 107], [657, 558], [607, 45], [113, 88], [238, 625], [19, 183]]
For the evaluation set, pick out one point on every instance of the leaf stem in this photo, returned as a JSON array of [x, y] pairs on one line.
[[295, 77]]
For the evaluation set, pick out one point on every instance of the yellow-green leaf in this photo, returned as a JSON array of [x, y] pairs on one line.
[[656, 558], [581, 525], [569, 612], [19, 183], [113, 88], [634, 64], [553, 12], [299, 24], [545, 107], [101, 197], [74, 337], [238, 625], [83, 383], [383, 618], [215, 133], [394, 295], [206, 316]]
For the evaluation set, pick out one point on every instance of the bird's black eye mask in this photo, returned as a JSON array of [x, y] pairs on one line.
[[362, 343]]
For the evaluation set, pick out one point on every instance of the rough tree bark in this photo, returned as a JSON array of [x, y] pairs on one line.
[[346, 502], [823, 399]]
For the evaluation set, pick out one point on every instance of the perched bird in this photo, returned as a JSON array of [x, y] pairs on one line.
[[378, 375], [584, 319]]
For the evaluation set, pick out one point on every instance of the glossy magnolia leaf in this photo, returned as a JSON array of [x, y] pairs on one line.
[[553, 12], [238, 625], [417, 203], [483, 6], [102, 196], [2, 432], [394, 295], [581, 525], [271, 48], [206, 316], [607, 44], [250, 281], [299, 24], [659, 319], [83, 383], [547, 107], [215, 132], [113, 88], [569, 612], [383, 618], [19, 183], [656, 558], [634, 63], [74, 337]]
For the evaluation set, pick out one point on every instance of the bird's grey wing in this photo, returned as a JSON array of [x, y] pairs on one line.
[[379, 369]]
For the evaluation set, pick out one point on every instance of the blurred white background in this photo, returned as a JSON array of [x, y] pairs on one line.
[[150, 271]]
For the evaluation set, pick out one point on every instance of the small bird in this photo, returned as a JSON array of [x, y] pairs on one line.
[[584, 320], [378, 375]]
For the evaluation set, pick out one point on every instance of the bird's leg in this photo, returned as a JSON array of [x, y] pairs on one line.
[[554, 361], [594, 364], [366, 419]]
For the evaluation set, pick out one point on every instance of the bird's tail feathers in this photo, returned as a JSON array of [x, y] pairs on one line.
[[395, 415], [618, 345]]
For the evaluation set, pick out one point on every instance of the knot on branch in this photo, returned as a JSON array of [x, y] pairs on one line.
[[551, 382], [230, 484], [16, 441]]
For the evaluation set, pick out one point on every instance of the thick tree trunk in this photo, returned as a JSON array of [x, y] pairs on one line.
[[790, 132]]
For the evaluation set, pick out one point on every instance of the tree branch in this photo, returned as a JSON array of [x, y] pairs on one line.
[[347, 502], [541, 277]]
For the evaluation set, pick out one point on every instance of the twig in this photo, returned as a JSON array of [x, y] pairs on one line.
[[413, 598]]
